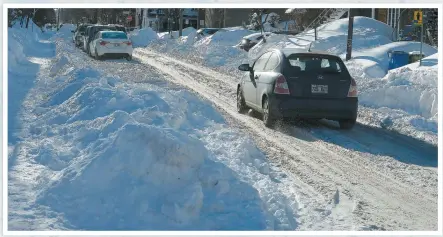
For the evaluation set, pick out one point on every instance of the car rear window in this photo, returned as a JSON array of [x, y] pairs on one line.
[[114, 35], [317, 63]]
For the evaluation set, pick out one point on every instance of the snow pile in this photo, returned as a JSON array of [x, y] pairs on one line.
[[375, 61], [217, 51], [371, 43], [427, 62], [407, 98], [143, 37], [98, 152], [175, 34]]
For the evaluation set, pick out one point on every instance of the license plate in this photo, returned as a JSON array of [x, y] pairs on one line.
[[116, 45], [319, 89]]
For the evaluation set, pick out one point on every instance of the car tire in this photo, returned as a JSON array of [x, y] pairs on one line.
[[268, 118], [129, 57], [347, 124], [241, 104]]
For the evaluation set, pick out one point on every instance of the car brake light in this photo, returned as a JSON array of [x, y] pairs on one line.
[[103, 42], [352, 89], [281, 86], [128, 43]]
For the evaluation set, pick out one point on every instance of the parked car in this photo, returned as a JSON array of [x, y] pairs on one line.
[[203, 32], [251, 40], [78, 34], [207, 31], [91, 31], [111, 43], [295, 83]]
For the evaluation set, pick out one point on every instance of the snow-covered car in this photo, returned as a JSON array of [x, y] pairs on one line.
[[203, 32], [294, 83], [251, 40], [111, 43]]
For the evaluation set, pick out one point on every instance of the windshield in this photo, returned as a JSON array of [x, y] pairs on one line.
[[114, 35], [317, 63]]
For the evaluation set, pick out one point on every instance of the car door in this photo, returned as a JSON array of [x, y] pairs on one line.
[[250, 80]]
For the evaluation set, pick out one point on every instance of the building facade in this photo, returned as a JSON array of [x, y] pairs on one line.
[[231, 17], [162, 19]]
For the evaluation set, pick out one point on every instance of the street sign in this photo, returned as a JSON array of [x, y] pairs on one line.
[[418, 17], [129, 18]]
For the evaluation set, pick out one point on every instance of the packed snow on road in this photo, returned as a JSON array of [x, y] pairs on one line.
[[156, 143]]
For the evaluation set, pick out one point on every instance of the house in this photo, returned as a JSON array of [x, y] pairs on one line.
[[161, 19], [230, 17]]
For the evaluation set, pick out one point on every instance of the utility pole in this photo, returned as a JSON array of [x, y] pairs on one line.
[[373, 13], [180, 29], [350, 32]]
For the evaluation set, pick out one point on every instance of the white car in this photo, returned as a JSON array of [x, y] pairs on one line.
[[251, 40], [111, 43]]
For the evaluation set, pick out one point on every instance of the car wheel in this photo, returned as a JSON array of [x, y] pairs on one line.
[[129, 57], [347, 124], [268, 118], [241, 105]]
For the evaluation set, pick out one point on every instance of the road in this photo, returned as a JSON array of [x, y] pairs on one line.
[[373, 178]]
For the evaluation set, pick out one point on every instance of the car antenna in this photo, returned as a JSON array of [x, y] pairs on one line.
[[309, 49]]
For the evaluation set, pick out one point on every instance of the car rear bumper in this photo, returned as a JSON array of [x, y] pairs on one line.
[[114, 51], [334, 109]]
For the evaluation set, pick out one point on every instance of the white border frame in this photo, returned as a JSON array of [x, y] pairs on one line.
[[211, 5]]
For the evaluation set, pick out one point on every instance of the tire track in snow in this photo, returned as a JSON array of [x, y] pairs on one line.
[[345, 169]]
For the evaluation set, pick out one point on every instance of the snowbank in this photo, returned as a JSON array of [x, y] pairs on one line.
[[427, 62], [142, 37], [175, 34], [375, 61], [218, 50], [108, 153]]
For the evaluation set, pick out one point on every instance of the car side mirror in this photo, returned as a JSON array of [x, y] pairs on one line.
[[244, 67]]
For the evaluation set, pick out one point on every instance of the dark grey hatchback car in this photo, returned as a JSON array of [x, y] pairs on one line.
[[295, 83]]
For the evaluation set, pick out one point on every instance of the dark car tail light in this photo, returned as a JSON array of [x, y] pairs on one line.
[[352, 89], [103, 42], [281, 86]]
